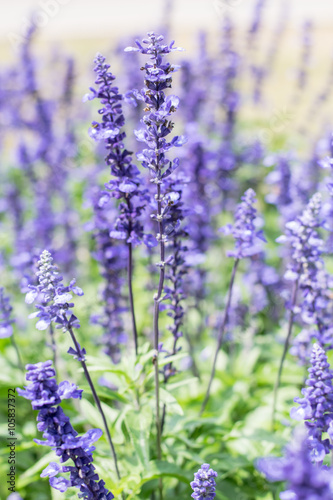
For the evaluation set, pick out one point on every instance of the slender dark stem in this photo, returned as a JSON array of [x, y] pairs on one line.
[[130, 292], [97, 400], [19, 359], [285, 349], [54, 347], [163, 418], [157, 299], [220, 336]]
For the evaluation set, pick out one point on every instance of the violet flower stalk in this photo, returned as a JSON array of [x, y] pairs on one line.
[[158, 125], [248, 242], [305, 481], [111, 254], [316, 406], [126, 183], [54, 308], [45, 396], [306, 249], [306, 53], [204, 485], [6, 322]]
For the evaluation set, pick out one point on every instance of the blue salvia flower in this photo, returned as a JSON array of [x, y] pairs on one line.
[[306, 53], [248, 239], [305, 481], [45, 396], [6, 321], [55, 298], [177, 268], [112, 256], [316, 406], [127, 182], [196, 195], [306, 244], [159, 108], [307, 268], [204, 485]]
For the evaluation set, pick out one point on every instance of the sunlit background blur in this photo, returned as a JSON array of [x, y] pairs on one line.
[[81, 28]]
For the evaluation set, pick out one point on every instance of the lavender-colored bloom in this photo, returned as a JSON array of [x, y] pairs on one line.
[[204, 485], [281, 179], [177, 268], [45, 396], [305, 59], [157, 121], [304, 240], [197, 198], [307, 267], [55, 298], [305, 481], [6, 329], [14, 496], [256, 21], [127, 180], [316, 406], [112, 256], [248, 240]]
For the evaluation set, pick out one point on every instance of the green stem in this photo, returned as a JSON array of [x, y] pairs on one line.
[[285, 350], [97, 400], [220, 336]]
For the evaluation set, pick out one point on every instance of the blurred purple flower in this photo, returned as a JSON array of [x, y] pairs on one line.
[[6, 329]]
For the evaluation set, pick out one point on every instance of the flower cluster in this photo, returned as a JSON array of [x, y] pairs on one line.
[[204, 484], [159, 108], [307, 268], [303, 237], [126, 183], [6, 329], [248, 240], [305, 481], [177, 268], [55, 298], [45, 396], [316, 406], [112, 256]]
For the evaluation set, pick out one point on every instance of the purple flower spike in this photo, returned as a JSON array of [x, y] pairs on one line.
[[6, 329], [248, 240], [59, 434], [159, 108], [305, 480], [55, 299], [126, 182], [316, 406], [204, 485]]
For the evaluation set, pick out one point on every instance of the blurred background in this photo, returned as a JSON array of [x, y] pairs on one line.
[[81, 28]]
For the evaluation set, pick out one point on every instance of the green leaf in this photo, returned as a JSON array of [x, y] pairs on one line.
[[181, 383], [171, 402], [159, 468], [105, 393], [138, 426]]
